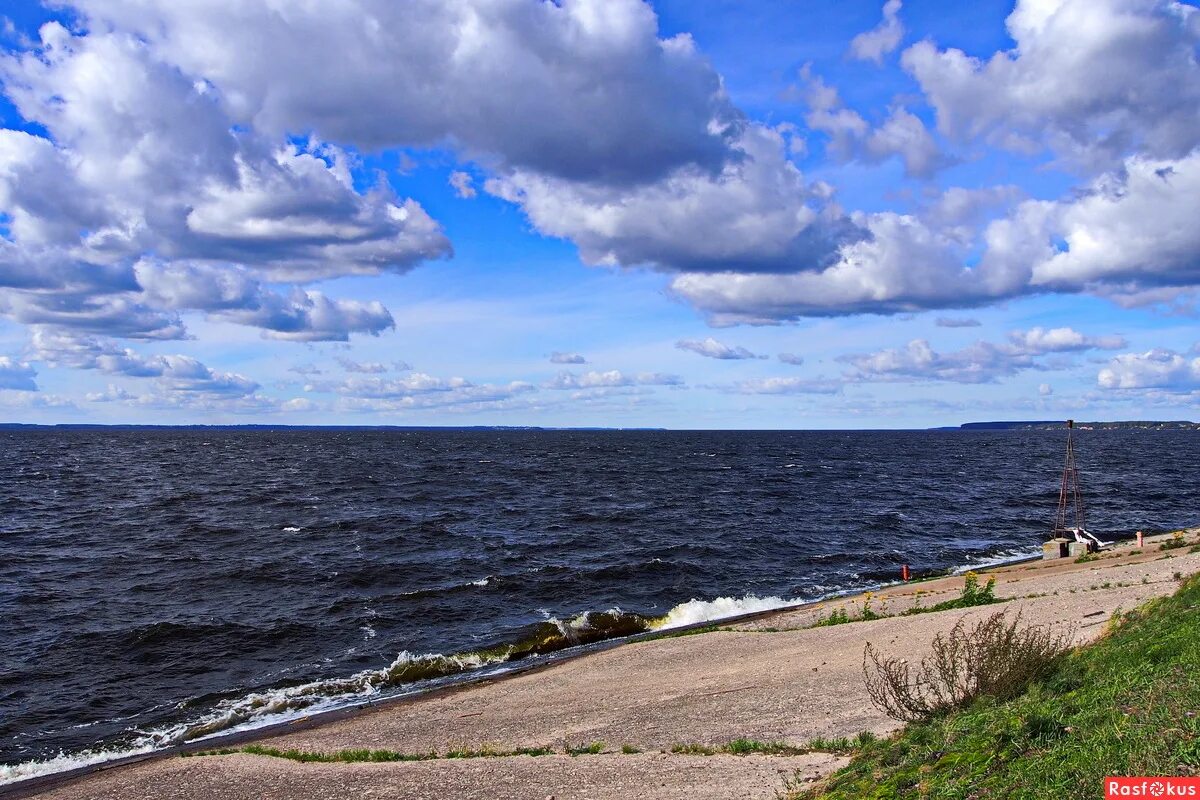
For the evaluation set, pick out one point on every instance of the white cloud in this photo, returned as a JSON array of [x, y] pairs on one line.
[[1037, 341], [1134, 229], [981, 362], [177, 375], [1090, 79], [1154, 369], [874, 44], [567, 358], [791, 358], [711, 348]]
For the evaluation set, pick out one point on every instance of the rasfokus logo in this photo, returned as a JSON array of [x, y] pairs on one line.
[[1151, 787]]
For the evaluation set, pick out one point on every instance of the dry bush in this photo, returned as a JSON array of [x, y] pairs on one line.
[[997, 657]]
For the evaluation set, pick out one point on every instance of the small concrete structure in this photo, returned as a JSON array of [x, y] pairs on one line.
[[1055, 548], [1077, 549]]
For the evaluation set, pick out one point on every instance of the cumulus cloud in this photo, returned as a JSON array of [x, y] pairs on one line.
[[757, 214], [981, 362], [611, 101], [1124, 235], [611, 378], [1154, 369], [1131, 230], [147, 161], [711, 348], [566, 358], [17, 375], [1089, 79], [904, 266], [874, 44], [791, 358], [175, 374]]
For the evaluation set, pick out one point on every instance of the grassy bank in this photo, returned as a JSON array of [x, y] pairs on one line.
[[1128, 704]]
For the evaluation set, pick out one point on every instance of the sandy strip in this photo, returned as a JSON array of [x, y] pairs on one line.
[[771, 679]]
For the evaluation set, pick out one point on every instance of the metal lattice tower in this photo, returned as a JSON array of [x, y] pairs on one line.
[[1069, 497]]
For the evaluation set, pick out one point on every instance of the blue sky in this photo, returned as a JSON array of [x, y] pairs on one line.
[[678, 214]]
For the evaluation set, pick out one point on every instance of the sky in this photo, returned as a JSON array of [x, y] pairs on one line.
[[681, 214]]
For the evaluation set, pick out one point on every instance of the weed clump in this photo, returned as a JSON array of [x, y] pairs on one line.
[[998, 657]]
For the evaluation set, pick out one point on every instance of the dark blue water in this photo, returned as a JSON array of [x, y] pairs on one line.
[[158, 585]]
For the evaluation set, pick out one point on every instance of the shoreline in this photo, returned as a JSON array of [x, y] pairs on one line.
[[347, 716]]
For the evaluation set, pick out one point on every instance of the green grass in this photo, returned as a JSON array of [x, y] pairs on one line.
[[745, 747], [1127, 705], [595, 748], [680, 634], [836, 617], [351, 756], [972, 595]]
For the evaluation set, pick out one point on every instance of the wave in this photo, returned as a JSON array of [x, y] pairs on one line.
[[410, 673], [696, 611], [11, 773]]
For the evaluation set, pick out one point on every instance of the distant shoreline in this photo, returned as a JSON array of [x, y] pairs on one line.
[[996, 425]]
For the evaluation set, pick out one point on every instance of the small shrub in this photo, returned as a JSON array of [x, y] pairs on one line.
[[629, 749], [998, 657], [592, 749], [1176, 541], [836, 617]]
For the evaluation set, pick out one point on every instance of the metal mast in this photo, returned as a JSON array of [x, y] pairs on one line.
[[1068, 494]]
